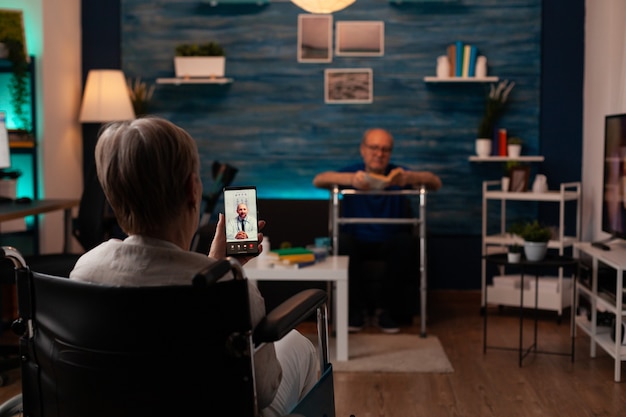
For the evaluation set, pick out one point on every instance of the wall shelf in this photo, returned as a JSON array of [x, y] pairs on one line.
[[179, 81], [461, 80], [522, 158]]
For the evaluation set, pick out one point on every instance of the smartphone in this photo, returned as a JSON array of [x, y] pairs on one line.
[[242, 227]]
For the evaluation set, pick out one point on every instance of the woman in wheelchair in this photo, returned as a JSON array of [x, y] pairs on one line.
[[149, 169]]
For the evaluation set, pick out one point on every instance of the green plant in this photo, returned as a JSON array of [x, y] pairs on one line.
[[508, 165], [201, 49], [515, 141], [494, 106], [515, 248], [531, 231], [140, 95], [12, 35]]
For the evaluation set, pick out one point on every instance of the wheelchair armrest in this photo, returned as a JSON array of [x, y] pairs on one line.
[[285, 317]]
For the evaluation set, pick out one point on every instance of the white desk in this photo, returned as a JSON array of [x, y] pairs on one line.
[[333, 268]]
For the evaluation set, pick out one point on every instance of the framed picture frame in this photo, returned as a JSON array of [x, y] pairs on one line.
[[348, 85], [519, 178], [315, 38], [360, 38]]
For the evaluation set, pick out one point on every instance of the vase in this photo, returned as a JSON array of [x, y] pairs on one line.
[[483, 147], [506, 183], [514, 150], [513, 257], [535, 251]]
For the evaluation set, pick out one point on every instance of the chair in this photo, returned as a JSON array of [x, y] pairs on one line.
[[97, 350]]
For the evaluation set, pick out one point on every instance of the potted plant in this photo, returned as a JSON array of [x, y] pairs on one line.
[[514, 146], [514, 254], [140, 95], [200, 60], [494, 106], [536, 237], [14, 45]]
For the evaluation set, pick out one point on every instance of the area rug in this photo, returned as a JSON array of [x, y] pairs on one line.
[[392, 353]]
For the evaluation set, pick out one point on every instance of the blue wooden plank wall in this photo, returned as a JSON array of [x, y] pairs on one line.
[[272, 122]]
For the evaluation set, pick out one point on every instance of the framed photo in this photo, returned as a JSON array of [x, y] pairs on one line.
[[362, 38], [519, 178], [348, 85], [315, 38]]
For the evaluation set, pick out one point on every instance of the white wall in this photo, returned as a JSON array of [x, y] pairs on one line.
[[54, 38], [604, 93]]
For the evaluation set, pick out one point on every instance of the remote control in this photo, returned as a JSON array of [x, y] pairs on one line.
[[601, 245]]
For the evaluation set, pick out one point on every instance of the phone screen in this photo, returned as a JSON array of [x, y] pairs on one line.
[[242, 228]]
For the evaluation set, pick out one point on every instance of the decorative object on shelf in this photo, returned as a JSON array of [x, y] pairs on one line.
[[481, 67], [514, 255], [140, 94], [536, 237], [200, 60], [506, 183], [322, 6], [519, 177], [106, 97], [483, 147], [14, 40], [443, 66], [540, 185], [502, 142], [514, 147], [494, 106]]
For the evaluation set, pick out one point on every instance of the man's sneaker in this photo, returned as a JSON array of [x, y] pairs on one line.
[[385, 323], [356, 322]]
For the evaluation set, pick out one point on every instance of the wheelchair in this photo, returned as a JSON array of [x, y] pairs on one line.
[[97, 350]]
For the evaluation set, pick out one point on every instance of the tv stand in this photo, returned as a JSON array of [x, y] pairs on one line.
[[601, 334]]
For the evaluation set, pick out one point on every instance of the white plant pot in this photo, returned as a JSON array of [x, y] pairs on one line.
[[199, 66], [514, 257], [535, 251], [514, 150], [483, 147]]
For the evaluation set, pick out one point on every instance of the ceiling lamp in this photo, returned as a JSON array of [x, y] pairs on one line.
[[322, 6]]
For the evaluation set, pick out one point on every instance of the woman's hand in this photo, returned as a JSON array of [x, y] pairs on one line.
[[218, 245]]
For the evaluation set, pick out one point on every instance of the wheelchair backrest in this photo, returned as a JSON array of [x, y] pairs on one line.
[[96, 350]]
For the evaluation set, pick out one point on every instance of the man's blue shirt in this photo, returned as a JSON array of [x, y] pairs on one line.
[[393, 206]]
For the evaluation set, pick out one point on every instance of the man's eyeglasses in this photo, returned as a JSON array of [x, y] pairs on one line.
[[375, 148]]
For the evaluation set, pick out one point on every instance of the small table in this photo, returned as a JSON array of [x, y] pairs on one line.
[[333, 268], [13, 210], [550, 261]]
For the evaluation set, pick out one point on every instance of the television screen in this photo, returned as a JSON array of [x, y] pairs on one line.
[[614, 191], [5, 152]]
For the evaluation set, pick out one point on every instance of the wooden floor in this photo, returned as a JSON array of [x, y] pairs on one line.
[[482, 384]]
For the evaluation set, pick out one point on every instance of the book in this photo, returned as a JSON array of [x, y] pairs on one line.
[[376, 181], [466, 61], [458, 67], [452, 58], [472, 61]]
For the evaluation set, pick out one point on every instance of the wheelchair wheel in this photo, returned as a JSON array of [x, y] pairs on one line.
[[12, 407]]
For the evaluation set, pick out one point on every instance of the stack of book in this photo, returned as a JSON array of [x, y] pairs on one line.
[[462, 59], [297, 257]]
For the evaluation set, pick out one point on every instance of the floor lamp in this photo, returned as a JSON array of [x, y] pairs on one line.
[[105, 99]]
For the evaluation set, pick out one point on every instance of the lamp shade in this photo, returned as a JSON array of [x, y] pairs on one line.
[[106, 97], [322, 6]]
